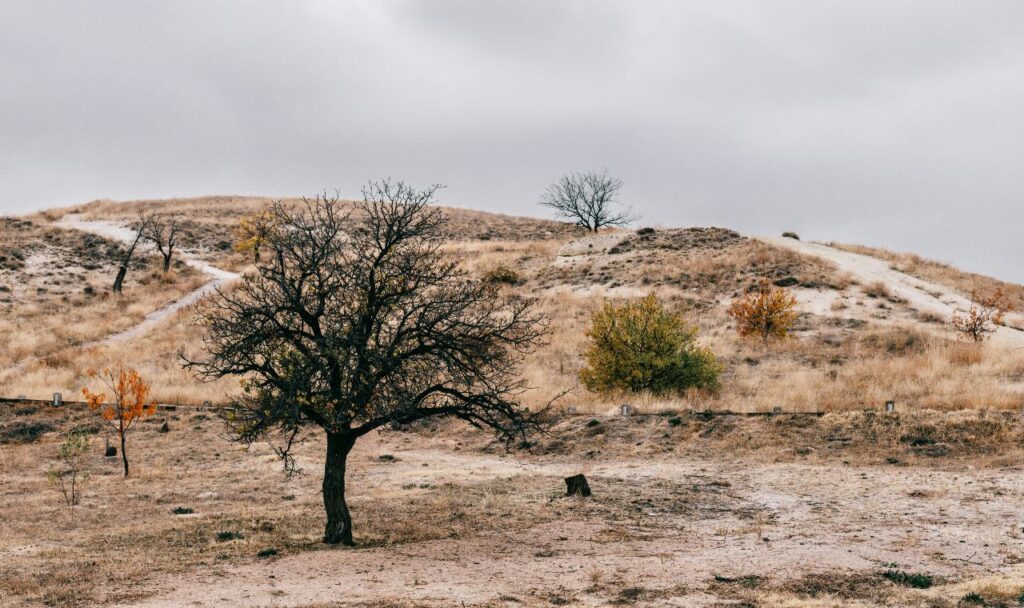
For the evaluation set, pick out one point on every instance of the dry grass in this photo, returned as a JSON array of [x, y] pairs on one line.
[[58, 295], [853, 355], [834, 363], [822, 368]]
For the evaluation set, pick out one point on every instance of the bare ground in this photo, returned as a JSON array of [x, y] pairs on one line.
[[661, 530]]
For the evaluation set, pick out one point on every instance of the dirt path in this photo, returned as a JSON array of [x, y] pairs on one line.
[[126, 235], [780, 521], [921, 295], [150, 321]]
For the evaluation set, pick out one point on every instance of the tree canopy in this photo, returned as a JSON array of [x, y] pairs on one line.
[[355, 320]]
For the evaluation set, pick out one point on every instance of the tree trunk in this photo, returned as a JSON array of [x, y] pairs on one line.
[[339, 522], [167, 263], [124, 456], [120, 278]]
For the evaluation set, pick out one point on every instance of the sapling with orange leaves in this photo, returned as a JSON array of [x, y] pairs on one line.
[[985, 315], [768, 312], [129, 393]]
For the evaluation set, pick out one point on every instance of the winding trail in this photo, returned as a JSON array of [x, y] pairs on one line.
[[921, 295], [123, 234]]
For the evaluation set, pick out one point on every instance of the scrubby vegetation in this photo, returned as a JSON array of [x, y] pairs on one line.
[[640, 347], [768, 312]]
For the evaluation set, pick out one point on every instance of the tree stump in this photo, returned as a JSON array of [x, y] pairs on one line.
[[577, 484], [164, 428]]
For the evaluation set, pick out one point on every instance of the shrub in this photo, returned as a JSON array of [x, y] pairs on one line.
[[182, 511], [639, 346], [986, 312], [502, 275], [878, 289], [645, 231], [791, 235], [897, 341], [227, 535], [908, 579], [24, 432], [268, 552], [766, 313]]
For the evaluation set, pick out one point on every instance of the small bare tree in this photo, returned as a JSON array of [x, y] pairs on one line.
[[359, 321], [983, 318], [140, 234], [163, 231], [588, 199]]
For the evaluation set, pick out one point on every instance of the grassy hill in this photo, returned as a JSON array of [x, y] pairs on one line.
[[856, 345], [690, 508]]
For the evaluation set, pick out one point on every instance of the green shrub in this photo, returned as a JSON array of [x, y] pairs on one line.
[[639, 346], [226, 535], [269, 552], [791, 235], [182, 511], [909, 579]]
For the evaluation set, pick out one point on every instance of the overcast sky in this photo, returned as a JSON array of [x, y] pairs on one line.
[[885, 122]]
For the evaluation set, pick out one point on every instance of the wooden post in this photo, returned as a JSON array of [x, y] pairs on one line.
[[627, 409], [57, 399], [890, 406]]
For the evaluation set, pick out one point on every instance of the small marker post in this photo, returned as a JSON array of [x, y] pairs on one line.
[[890, 406]]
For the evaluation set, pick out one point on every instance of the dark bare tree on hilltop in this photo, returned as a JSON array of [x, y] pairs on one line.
[[163, 231], [357, 321], [122, 270], [588, 199]]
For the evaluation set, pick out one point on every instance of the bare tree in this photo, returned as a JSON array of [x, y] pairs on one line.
[[142, 228], [358, 321], [588, 199], [163, 231]]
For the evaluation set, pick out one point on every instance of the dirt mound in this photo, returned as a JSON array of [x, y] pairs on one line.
[[712, 262], [684, 239]]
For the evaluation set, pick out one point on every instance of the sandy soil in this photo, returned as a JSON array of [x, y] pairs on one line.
[[692, 520], [920, 295]]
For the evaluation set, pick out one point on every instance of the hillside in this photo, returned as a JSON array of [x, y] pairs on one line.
[[830, 503], [867, 333]]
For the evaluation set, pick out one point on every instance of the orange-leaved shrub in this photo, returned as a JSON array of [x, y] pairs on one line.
[[128, 405], [768, 312], [639, 346], [986, 313]]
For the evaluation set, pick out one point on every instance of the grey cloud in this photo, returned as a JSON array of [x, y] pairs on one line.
[[894, 124]]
